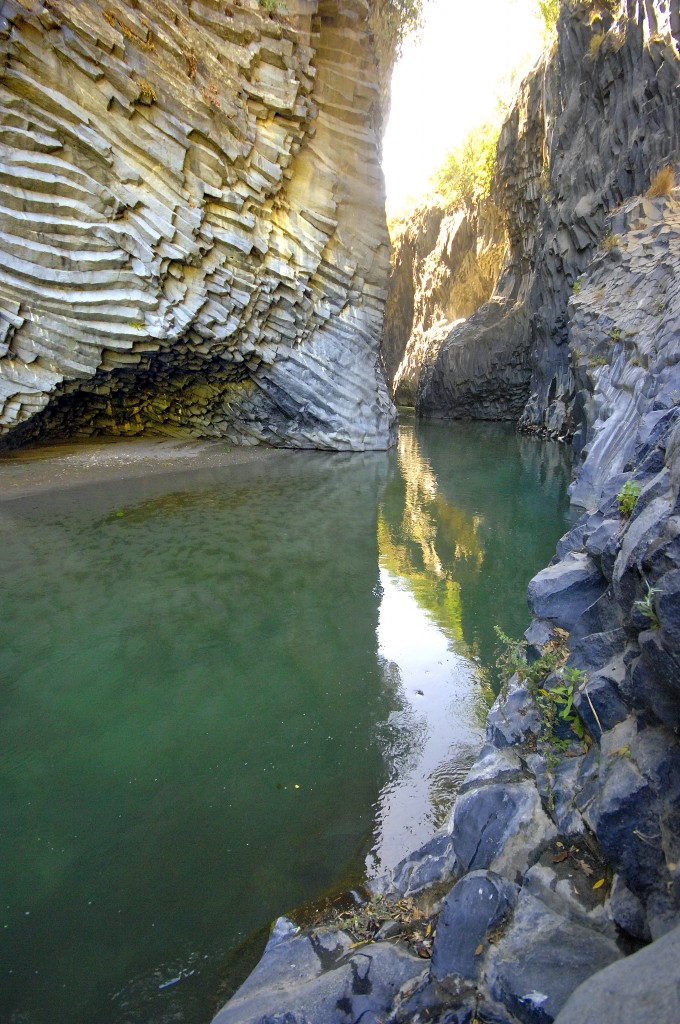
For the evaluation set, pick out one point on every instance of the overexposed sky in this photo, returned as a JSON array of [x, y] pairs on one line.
[[448, 82]]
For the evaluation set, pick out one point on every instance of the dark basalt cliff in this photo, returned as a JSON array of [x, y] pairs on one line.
[[445, 263], [192, 227], [591, 128]]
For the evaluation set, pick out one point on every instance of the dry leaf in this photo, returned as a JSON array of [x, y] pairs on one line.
[[559, 857], [480, 949], [585, 868], [598, 885]]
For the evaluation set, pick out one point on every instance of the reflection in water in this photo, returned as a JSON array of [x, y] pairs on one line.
[[472, 513], [220, 693]]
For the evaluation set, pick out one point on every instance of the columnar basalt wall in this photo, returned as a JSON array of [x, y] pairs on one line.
[[191, 222], [613, 121], [483, 367], [591, 127]]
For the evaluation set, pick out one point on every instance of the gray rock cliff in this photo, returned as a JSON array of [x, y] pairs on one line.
[[592, 126], [445, 263], [192, 228]]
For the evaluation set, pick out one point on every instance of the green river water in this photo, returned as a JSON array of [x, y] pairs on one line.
[[224, 696]]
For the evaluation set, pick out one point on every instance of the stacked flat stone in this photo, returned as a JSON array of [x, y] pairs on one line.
[[191, 222]]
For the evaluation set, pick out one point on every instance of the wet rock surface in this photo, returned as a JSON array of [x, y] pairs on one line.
[[192, 224], [560, 856]]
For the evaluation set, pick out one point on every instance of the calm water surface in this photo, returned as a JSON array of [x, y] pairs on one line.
[[222, 697]]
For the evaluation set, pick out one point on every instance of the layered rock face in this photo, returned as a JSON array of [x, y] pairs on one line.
[[445, 264], [614, 122], [624, 340], [191, 222]]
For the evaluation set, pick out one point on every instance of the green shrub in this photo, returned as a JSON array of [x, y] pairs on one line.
[[466, 173], [627, 498], [549, 12]]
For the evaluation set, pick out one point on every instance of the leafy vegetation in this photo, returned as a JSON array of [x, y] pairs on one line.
[[549, 12], [391, 23], [273, 6], [555, 700], [627, 498], [465, 175], [646, 606]]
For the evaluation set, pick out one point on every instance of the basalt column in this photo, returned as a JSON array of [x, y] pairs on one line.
[[192, 227]]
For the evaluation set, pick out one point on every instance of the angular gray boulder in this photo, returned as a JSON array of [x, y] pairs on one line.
[[643, 987]]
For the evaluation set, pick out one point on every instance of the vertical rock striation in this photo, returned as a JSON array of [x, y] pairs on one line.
[[445, 264], [591, 127], [613, 121], [191, 222], [482, 369]]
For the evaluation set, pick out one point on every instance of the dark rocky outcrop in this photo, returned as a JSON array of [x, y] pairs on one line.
[[192, 222], [445, 263], [592, 126]]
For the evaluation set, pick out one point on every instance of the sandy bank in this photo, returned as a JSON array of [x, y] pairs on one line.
[[56, 467]]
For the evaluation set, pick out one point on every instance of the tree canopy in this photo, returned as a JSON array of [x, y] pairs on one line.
[[466, 173]]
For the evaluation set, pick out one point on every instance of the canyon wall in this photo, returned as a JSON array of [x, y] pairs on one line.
[[192, 222], [592, 126], [445, 263]]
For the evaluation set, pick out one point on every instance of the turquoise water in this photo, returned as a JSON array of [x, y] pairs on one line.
[[223, 696]]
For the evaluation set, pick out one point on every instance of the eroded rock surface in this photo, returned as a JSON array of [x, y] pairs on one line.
[[482, 369], [191, 222], [444, 266], [591, 127]]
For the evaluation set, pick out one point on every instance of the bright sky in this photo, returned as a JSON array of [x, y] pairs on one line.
[[448, 82]]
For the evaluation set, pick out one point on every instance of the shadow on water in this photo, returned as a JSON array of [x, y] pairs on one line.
[[226, 693]]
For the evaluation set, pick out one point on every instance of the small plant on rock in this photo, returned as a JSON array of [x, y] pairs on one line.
[[596, 41], [610, 241], [627, 498], [147, 93], [646, 606]]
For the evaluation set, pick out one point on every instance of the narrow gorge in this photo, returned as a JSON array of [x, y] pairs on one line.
[[195, 247]]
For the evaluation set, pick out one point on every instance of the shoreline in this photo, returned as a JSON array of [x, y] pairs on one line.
[[57, 467]]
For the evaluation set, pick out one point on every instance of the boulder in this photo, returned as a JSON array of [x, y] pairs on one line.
[[541, 958], [643, 987], [562, 592], [477, 904], [500, 827], [316, 978]]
